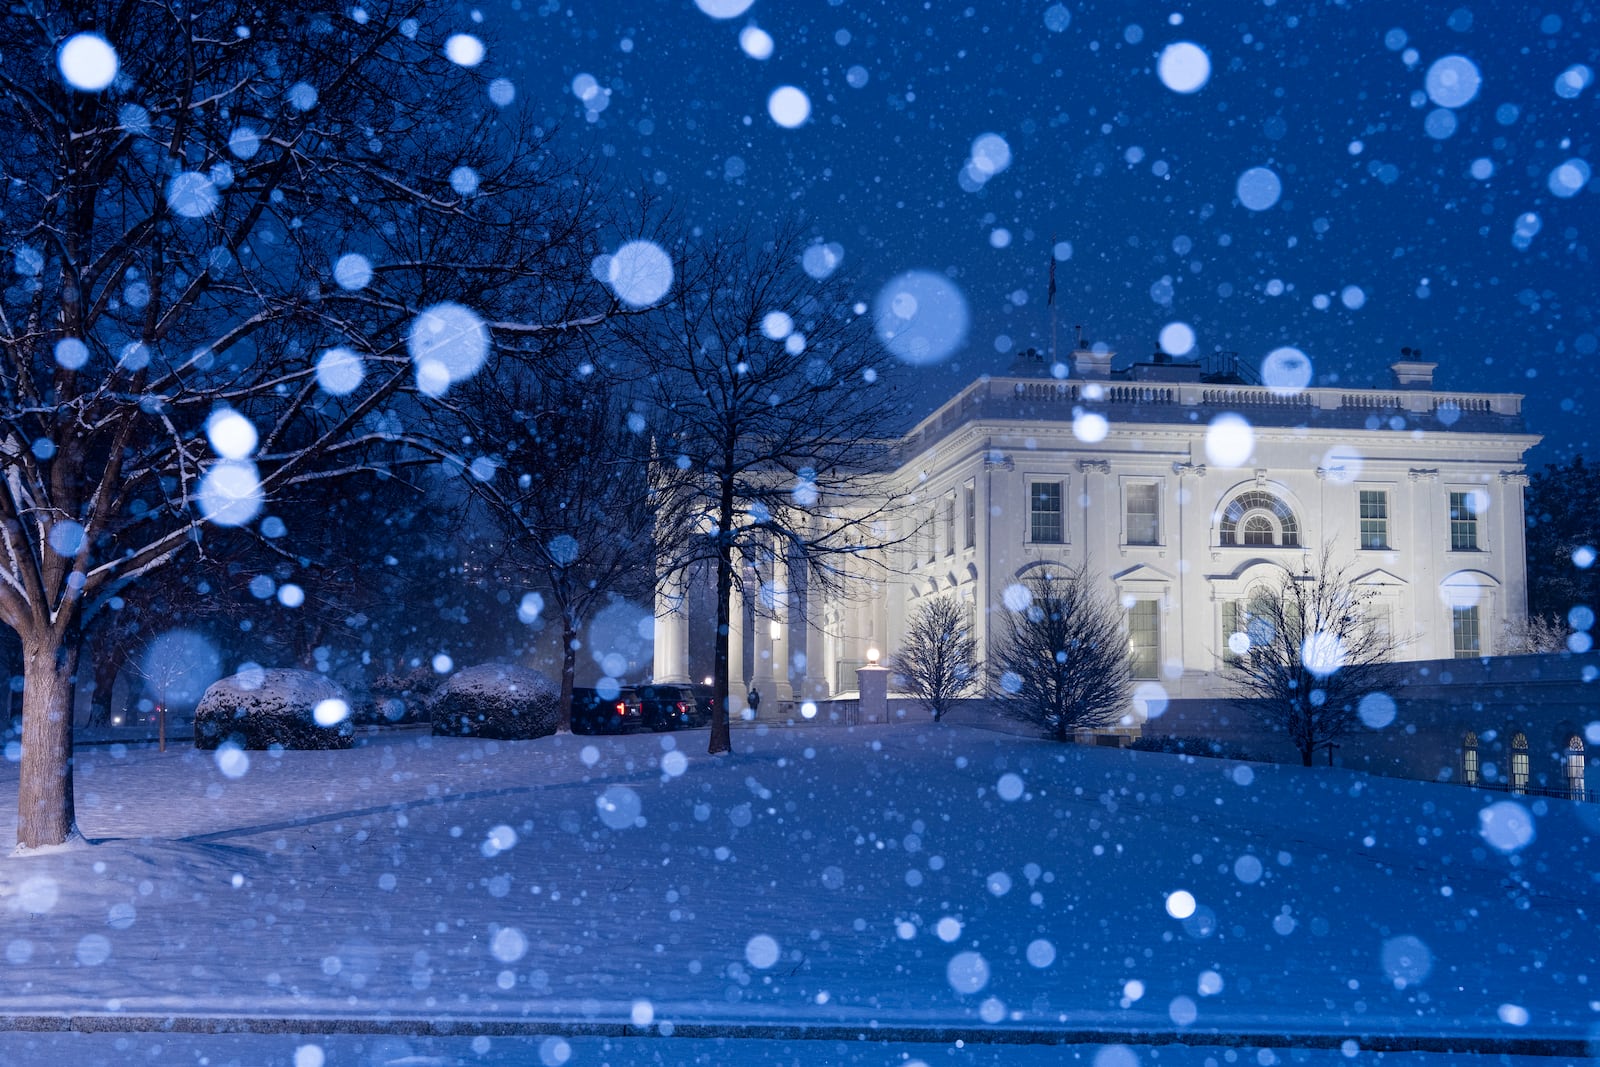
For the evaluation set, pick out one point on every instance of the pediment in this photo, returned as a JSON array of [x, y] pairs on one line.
[[1142, 572], [1379, 576]]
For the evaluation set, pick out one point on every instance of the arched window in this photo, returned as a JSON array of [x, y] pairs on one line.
[[1257, 517], [1519, 763], [1469, 758], [1574, 766]]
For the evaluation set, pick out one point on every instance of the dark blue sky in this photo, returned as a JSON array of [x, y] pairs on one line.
[[1141, 180]]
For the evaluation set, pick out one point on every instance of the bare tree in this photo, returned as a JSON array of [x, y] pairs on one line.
[[243, 233], [1308, 650], [771, 398], [569, 492], [938, 661], [1531, 634], [1061, 659]]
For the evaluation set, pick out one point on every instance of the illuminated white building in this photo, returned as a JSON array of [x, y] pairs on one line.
[[1179, 490]]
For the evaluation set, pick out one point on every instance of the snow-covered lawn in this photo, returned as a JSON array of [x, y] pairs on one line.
[[946, 878]]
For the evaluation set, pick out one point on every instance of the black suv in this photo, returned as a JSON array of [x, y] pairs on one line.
[[675, 707], [595, 714]]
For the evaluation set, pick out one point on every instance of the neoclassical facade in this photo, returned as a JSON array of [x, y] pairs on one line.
[[1179, 490]]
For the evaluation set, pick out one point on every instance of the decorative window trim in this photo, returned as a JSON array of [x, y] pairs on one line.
[[1255, 503]]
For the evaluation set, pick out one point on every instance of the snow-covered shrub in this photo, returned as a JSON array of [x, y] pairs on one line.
[[261, 708], [499, 701]]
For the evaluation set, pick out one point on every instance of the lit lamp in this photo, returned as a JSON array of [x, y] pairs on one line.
[[872, 657], [773, 629]]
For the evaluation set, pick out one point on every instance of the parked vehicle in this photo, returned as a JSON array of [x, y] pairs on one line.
[[593, 713], [675, 707]]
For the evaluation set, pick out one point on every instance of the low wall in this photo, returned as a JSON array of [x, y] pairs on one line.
[[1548, 698]]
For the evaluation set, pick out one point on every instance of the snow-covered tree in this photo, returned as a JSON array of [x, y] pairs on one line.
[[938, 659], [770, 397], [239, 235], [568, 494], [1307, 651], [1060, 654]]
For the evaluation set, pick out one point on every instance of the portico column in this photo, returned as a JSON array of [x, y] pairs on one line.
[[671, 632], [736, 680], [816, 676], [783, 615]]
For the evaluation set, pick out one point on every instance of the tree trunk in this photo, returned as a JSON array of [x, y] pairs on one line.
[[1306, 754], [721, 739], [108, 663], [569, 668], [45, 813]]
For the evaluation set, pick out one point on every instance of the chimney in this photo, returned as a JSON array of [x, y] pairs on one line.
[[1411, 371], [1092, 362]]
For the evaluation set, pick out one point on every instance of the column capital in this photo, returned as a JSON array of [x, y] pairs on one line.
[[1102, 466], [1197, 470]]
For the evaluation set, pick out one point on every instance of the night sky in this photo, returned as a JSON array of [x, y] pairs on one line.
[[1465, 230]]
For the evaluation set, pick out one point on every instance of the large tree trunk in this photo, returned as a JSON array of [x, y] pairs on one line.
[[569, 668], [45, 813], [721, 739]]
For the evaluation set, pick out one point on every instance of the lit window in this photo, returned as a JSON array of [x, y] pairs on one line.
[[1465, 637], [1519, 763], [1374, 518], [1469, 759], [1144, 639], [1044, 505], [1144, 514], [1463, 523]]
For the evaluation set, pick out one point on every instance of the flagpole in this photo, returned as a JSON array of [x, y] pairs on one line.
[[1050, 301]]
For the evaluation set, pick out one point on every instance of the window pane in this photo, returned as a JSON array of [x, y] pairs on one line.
[[1144, 638], [972, 518], [1463, 523], [1143, 515], [1258, 530], [1464, 632], [1045, 506], [1374, 518]]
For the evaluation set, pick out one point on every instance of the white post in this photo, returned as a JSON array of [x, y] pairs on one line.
[[872, 681]]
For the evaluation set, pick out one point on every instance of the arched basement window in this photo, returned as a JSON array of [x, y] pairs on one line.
[[1519, 763], [1469, 758], [1257, 517]]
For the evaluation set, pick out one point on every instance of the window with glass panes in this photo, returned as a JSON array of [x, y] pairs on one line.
[[1463, 523], [1144, 516], [1465, 638], [1374, 518], [1144, 639], [972, 518], [1044, 506], [950, 525]]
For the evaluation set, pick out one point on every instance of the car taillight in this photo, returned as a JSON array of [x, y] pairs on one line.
[[622, 708], [683, 709]]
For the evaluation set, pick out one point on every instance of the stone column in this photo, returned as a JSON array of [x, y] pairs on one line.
[[783, 615], [671, 633], [815, 685], [736, 680]]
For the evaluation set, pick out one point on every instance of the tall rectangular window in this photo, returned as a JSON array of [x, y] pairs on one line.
[[1144, 514], [972, 517], [1044, 507], [1144, 638], [950, 525], [933, 535], [1232, 623], [1463, 523], [1465, 638], [1374, 518]]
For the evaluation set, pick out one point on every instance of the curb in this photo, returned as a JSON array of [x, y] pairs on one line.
[[435, 1026]]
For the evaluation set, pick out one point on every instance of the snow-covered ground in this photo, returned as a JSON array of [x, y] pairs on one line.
[[892, 881]]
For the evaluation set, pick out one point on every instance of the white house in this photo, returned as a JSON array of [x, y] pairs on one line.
[[1179, 486]]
